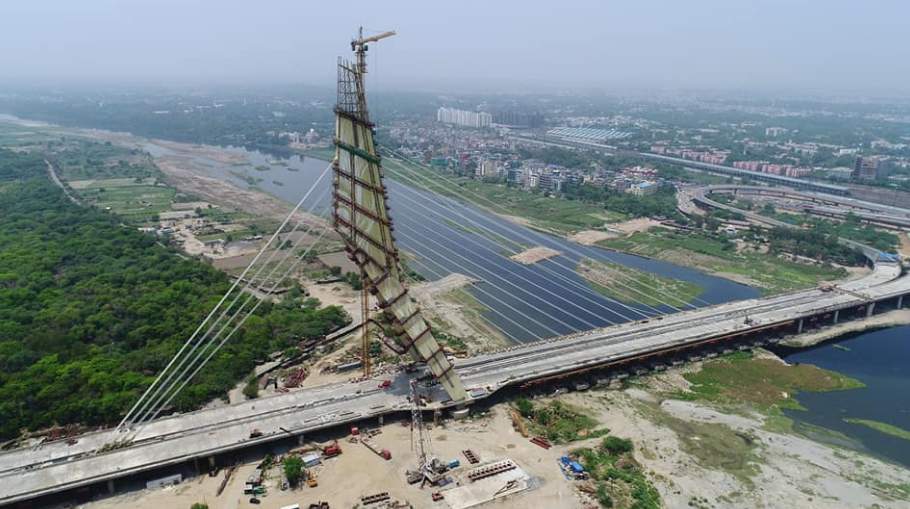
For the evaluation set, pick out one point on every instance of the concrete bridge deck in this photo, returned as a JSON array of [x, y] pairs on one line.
[[54, 467]]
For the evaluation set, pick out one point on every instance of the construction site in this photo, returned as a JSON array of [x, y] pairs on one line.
[[391, 414]]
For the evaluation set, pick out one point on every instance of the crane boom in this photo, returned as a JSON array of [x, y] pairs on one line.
[[373, 38]]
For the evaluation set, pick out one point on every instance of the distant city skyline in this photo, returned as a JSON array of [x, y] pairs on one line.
[[833, 47]]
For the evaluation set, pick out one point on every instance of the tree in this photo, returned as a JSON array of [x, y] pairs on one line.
[[616, 445], [293, 469], [199, 505], [525, 407]]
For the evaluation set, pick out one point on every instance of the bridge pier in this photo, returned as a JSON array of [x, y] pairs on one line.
[[211, 462], [900, 302], [836, 315], [870, 309], [799, 328], [300, 439], [110, 486], [381, 419]]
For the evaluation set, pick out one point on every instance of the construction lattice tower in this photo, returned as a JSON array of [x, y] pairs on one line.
[[361, 218]]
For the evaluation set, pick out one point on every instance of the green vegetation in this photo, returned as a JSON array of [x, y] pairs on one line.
[[717, 254], [764, 383], [631, 285], [853, 229], [813, 244], [81, 159], [559, 422], [199, 505], [882, 427], [251, 389], [136, 200], [293, 469], [90, 310], [618, 478], [662, 203]]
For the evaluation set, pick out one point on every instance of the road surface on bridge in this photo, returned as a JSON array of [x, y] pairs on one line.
[[56, 466]]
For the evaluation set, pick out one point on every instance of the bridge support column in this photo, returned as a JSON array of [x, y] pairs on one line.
[[300, 439], [870, 309], [211, 462], [900, 302], [110, 486], [381, 420], [799, 328], [836, 316]]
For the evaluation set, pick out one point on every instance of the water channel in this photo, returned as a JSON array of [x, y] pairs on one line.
[[527, 301]]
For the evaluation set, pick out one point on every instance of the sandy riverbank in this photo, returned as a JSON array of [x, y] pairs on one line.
[[535, 254]]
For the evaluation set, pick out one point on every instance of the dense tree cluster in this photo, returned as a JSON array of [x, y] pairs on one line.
[[90, 310], [813, 244], [661, 203]]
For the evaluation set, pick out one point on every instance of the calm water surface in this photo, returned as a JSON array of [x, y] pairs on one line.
[[881, 360], [526, 301]]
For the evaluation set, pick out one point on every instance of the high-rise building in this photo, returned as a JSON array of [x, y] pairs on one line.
[[514, 118], [870, 168], [476, 119], [486, 168]]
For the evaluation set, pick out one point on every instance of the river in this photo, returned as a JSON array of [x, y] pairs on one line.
[[527, 301], [880, 360]]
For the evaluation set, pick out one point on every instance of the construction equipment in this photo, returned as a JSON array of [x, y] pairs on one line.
[[374, 499], [542, 442], [331, 450], [491, 470], [470, 456], [360, 216], [382, 453]]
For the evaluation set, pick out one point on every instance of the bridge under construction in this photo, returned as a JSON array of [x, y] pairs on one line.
[[359, 215]]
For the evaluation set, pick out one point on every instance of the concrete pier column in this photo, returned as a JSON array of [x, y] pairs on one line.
[[110, 486], [799, 329], [196, 466], [836, 316], [211, 462], [381, 420], [900, 302], [870, 309], [300, 439]]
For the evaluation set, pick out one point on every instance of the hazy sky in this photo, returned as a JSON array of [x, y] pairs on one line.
[[824, 45]]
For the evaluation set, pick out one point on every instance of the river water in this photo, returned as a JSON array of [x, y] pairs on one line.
[[526, 301], [880, 360], [533, 301]]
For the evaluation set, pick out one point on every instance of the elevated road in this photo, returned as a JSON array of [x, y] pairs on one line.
[[56, 466], [817, 203]]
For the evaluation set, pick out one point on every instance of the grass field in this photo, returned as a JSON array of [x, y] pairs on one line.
[[768, 272], [766, 384], [137, 200], [882, 427], [630, 285]]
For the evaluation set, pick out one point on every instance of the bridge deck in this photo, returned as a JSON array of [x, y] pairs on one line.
[[53, 467]]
